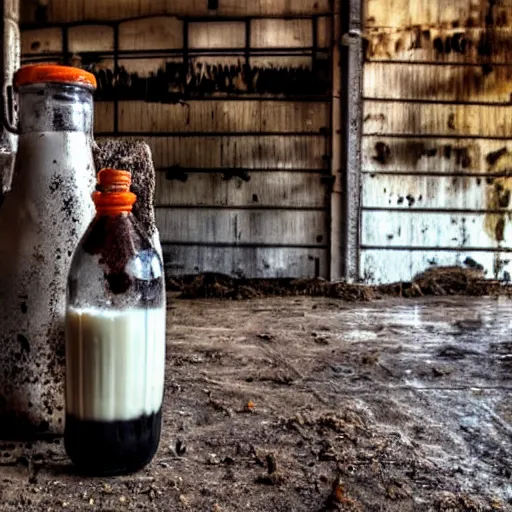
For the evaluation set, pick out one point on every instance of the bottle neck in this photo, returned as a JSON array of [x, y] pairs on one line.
[[112, 204], [55, 108], [112, 213]]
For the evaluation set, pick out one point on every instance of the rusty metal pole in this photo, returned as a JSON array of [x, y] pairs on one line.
[[352, 101]]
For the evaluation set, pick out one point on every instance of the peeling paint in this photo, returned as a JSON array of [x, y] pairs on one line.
[[437, 85], [499, 194]]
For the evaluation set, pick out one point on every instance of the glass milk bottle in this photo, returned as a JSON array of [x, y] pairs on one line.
[[115, 338], [44, 215]]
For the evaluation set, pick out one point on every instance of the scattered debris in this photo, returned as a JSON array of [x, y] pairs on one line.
[[220, 406], [181, 448], [273, 476], [213, 459], [340, 500], [450, 502], [437, 281], [249, 406], [370, 359]]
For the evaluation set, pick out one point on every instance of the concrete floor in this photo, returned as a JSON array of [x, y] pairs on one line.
[[391, 405]]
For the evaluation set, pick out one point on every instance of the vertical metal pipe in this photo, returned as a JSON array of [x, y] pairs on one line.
[[10, 56], [352, 63]]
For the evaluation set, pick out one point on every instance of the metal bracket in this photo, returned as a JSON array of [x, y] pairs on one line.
[[350, 36], [9, 114]]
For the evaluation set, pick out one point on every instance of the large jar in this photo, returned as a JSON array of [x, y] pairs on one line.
[[41, 221], [115, 338]]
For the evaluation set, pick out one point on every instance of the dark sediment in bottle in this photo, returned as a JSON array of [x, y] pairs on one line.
[[104, 448]]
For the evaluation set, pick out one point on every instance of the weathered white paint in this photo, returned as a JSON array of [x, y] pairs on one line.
[[406, 192], [387, 266], [430, 230], [435, 175]]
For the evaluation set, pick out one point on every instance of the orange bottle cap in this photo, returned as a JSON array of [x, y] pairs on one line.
[[116, 177], [115, 196], [51, 73]]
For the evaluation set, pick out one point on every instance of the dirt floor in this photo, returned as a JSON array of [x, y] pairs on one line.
[[312, 404]]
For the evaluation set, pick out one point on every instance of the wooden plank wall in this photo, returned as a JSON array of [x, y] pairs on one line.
[[64, 11], [437, 154], [243, 161]]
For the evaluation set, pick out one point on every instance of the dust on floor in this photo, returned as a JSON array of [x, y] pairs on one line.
[[312, 404]]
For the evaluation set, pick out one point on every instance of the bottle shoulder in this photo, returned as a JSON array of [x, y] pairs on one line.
[[116, 263]]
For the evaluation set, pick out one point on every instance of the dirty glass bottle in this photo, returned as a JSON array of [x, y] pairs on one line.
[[44, 215], [115, 338]]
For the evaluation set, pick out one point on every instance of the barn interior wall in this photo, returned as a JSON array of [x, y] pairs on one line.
[[236, 103], [437, 155]]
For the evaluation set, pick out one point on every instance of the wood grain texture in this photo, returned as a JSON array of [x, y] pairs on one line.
[[259, 224], [265, 152], [157, 33], [40, 41], [78, 10], [440, 44], [274, 33], [223, 116], [103, 116], [274, 188], [324, 30], [429, 82], [262, 262], [462, 13], [91, 38], [258, 227], [437, 120], [216, 34]]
